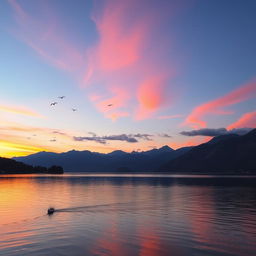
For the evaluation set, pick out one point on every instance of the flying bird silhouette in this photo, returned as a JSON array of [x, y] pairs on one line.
[[61, 97], [53, 103], [74, 109], [109, 105]]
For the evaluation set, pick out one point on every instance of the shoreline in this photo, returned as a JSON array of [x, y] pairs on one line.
[[137, 174]]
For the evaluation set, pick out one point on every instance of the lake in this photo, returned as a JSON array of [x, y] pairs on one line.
[[144, 215]]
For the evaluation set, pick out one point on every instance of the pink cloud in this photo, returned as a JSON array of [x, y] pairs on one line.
[[217, 106], [246, 120], [117, 48], [128, 55], [151, 97], [125, 57], [112, 104], [116, 115]]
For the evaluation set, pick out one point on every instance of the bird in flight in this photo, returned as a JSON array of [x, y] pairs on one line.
[[109, 105], [53, 103], [74, 109], [61, 97]]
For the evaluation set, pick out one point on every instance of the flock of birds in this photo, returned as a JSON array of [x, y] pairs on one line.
[[61, 98], [73, 109], [52, 104]]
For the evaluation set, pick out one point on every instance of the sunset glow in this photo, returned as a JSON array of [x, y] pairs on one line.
[[124, 67]]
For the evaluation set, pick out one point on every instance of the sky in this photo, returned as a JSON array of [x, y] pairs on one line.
[[139, 74]]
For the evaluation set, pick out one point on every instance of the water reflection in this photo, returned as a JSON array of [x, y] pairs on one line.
[[127, 215]]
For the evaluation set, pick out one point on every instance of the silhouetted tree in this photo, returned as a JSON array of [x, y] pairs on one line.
[[10, 166], [56, 169]]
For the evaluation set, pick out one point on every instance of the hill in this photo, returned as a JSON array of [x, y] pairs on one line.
[[10, 166], [226, 153]]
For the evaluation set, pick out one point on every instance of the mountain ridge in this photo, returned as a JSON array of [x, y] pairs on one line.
[[225, 153], [116, 160]]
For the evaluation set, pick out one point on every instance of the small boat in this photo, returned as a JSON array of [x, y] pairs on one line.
[[51, 211]]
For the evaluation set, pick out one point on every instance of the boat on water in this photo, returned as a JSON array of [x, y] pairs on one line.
[[50, 211]]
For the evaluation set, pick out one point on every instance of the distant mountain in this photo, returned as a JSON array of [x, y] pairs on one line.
[[226, 153], [120, 161], [222, 138], [10, 166]]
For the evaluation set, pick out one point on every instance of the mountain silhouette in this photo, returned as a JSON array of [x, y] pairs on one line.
[[87, 161], [226, 153]]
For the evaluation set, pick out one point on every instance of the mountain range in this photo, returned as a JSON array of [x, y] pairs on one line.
[[229, 153], [120, 161]]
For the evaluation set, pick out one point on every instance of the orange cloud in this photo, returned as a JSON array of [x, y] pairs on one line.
[[191, 142], [150, 95], [10, 149], [17, 139], [243, 93], [20, 128], [20, 110], [246, 120], [115, 115]]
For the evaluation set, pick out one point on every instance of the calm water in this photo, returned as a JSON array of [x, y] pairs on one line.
[[127, 216]]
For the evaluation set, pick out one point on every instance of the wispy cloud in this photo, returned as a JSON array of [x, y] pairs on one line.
[[131, 77], [212, 132], [60, 133], [39, 139], [143, 136], [104, 139], [217, 106], [131, 138], [246, 120], [169, 117], [151, 95], [193, 141], [43, 33], [18, 127], [164, 135], [125, 67], [10, 148], [116, 115], [20, 110]]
